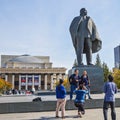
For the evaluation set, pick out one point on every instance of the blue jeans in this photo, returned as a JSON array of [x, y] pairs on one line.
[[88, 88], [72, 88]]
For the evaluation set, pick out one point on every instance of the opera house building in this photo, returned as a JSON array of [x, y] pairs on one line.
[[26, 72]]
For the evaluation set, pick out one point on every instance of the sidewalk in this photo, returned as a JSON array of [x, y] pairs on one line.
[[91, 114]]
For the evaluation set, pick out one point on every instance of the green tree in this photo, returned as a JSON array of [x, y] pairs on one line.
[[106, 71], [75, 63], [104, 66], [98, 61]]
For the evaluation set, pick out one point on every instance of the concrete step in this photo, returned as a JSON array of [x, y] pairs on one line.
[[23, 107]]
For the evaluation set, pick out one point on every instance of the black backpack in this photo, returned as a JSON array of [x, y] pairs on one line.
[[38, 99]]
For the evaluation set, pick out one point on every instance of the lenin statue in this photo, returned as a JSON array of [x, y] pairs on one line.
[[85, 37]]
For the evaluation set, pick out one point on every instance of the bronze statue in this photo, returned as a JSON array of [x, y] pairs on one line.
[[85, 37]]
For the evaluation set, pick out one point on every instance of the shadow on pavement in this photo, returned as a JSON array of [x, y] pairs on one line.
[[54, 118]]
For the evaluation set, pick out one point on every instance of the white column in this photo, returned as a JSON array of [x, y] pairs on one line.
[[13, 81], [39, 81], [33, 81], [51, 86], [19, 82], [26, 86], [6, 77], [45, 83], [60, 76], [63, 77], [57, 77]]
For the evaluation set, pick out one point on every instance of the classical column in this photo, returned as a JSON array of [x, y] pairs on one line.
[[57, 77], [45, 83], [13, 81], [63, 76], [60, 76], [19, 82], [26, 86], [6, 77], [39, 82], [51, 86], [33, 81]]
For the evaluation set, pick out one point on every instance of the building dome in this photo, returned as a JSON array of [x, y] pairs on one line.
[[26, 59]]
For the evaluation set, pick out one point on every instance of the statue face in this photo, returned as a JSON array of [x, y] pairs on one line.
[[83, 12]]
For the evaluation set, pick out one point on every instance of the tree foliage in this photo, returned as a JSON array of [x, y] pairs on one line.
[[106, 71], [65, 83], [98, 61], [116, 75], [75, 63], [4, 85], [104, 66]]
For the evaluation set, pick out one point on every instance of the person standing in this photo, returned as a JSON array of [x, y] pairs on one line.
[[74, 81], [33, 90], [86, 81], [61, 99], [110, 89], [80, 99]]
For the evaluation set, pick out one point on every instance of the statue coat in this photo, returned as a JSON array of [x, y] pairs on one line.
[[96, 41]]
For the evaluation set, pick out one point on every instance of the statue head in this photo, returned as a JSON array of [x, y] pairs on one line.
[[83, 12]]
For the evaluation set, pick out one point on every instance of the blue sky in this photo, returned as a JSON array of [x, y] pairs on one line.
[[41, 27]]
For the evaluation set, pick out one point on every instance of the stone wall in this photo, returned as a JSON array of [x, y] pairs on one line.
[[48, 106], [95, 75]]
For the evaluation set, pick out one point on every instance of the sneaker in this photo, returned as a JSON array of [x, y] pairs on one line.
[[83, 112], [63, 117], [90, 98], [79, 114]]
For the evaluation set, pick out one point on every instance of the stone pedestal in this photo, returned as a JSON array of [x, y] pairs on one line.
[[95, 74]]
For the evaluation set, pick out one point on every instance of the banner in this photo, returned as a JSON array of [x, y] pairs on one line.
[[23, 80], [30, 80], [36, 80]]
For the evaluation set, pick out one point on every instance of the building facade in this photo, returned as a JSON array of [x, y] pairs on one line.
[[26, 72], [117, 56]]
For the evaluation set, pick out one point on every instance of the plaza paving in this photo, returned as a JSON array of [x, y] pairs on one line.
[[29, 98], [91, 114]]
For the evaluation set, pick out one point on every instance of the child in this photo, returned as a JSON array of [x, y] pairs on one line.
[[61, 101], [80, 99]]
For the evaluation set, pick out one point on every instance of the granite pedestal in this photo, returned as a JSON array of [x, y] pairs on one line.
[[95, 74]]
